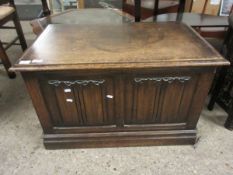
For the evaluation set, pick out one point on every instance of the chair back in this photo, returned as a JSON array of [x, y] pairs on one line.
[[4, 2], [227, 49], [10, 2], [181, 7]]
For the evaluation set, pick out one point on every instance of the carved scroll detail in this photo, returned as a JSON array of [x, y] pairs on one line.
[[165, 79], [79, 82]]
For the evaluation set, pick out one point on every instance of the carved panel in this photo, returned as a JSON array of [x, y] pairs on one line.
[[145, 100], [165, 79], [79, 82], [80, 102], [158, 99]]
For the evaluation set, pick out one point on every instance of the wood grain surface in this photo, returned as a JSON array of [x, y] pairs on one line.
[[137, 45]]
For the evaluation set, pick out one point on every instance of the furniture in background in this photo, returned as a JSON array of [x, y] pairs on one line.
[[5, 61], [99, 4], [214, 25], [147, 7], [48, 9], [81, 4], [82, 16], [51, 5], [203, 7], [138, 3], [197, 21], [222, 92], [118, 85], [8, 13], [45, 9], [128, 7]]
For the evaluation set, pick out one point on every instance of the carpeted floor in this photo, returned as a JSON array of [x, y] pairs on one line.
[[22, 151]]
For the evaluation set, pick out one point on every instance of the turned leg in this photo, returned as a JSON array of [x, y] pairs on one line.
[[5, 61]]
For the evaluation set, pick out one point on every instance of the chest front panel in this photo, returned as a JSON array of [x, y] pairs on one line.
[[119, 101], [158, 99]]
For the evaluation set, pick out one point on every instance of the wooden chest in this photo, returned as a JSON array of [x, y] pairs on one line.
[[118, 85]]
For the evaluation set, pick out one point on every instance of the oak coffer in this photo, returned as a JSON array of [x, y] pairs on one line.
[[118, 85]]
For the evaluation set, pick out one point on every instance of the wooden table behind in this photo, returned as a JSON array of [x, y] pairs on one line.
[[82, 16]]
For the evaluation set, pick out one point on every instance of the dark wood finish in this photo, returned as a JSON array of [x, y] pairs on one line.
[[197, 21], [117, 85], [5, 61], [137, 11], [222, 91], [146, 13], [19, 31], [110, 16], [144, 9], [111, 51], [180, 9], [192, 19], [181, 6], [45, 8], [82, 16], [229, 122], [18, 28], [5, 2], [20, 36]]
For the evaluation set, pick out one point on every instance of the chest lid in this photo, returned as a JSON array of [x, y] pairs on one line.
[[134, 45]]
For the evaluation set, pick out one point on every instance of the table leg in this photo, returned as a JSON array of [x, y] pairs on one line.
[[229, 121], [137, 10], [216, 90], [45, 7]]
